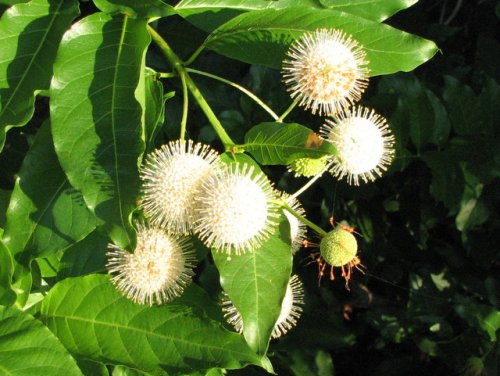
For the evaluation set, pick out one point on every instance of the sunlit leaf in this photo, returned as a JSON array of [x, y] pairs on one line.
[[279, 143], [7, 296], [136, 8], [98, 122], [263, 37], [375, 10], [256, 283], [93, 320], [28, 348], [29, 36]]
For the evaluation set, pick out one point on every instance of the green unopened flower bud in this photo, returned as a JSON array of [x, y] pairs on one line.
[[308, 166], [338, 247]]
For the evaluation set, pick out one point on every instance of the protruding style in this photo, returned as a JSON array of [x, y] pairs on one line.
[[364, 143], [171, 177], [326, 71], [234, 210], [157, 272]]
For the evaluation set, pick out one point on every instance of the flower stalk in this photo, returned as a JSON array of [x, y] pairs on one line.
[[178, 65]]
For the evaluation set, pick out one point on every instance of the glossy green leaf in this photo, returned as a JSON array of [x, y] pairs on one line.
[[375, 10], [4, 204], [29, 36], [256, 283], [136, 8], [13, 2], [263, 37], [46, 214], [7, 295], [88, 256], [28, 348], [279, 143], [210, 14], [93, 320], [97, 116]]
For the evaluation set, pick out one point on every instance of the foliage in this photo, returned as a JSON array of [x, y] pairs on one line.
[[88, 88]]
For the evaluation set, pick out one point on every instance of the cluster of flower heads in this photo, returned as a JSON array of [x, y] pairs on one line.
[[233, 208], [326, 71], [187, 190]]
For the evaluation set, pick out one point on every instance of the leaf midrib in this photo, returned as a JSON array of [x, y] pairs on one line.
[[113, 130], [142, 331]]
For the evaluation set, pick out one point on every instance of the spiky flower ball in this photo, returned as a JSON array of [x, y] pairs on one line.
[[234, 209], [326, 71], [157, 272], [291, 310], [308, 167], [171, 176], [364, 144], [298, 229]]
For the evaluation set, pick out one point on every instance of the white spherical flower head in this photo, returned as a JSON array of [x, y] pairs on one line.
[[157, 272], [326, 71], [234, 210], [291, 309], [171, 176], [298, 229], [364, 144]]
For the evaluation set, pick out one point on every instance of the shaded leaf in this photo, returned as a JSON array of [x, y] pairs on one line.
[[29, 36], [263, 37], [279, 143], [136, 8], [256, 283], [155, 107], [93, 320], [46, 214], [97, 119], [88, 256], [463, 106], [29, 348]]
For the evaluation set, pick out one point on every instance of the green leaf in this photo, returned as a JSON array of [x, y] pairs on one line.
[[280, 143], [46, 214], [88, 256], [375, 10], [136, 8], [484, 318], [464, 107], [256, 283], [210, 14], [447, 177], [29, 36], [7, 296], [94, 321], [155, 107], [263, 37], [13, 2], [97, 116], [29, 348], [4, 204]]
